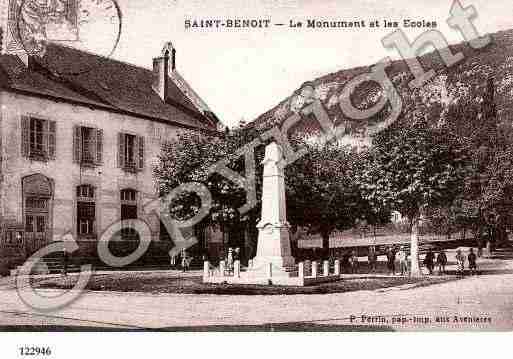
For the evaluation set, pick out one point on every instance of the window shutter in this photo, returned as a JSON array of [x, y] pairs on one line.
[[140, 153], [99, 147], [25, 136], [51, 139], [121, 150], [77, 144], [45, 138]]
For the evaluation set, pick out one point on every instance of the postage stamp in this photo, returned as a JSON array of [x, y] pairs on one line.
[[259, 167], [92, 26]]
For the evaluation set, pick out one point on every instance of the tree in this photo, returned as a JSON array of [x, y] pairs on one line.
[[322, 192], [410, 168], [188, 158], [473, 119]]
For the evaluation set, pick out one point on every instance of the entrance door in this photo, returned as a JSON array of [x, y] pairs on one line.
[[37, 211], [36, 223]]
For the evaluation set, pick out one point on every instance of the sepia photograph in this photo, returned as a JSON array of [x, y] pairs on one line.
[[254, 166]]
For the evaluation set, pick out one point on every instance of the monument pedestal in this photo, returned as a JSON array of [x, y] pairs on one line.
[[273, 249], [273, 263]]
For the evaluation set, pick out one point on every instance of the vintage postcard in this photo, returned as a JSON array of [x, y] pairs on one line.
[[255, 166]]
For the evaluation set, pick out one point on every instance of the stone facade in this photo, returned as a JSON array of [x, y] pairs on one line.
[[64, 175], [77, 153]]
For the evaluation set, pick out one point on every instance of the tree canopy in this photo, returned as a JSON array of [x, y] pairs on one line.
[[321, 187], [412, 168]]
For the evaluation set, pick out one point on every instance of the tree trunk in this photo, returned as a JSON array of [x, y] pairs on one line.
[[223, 242], [415, 266]]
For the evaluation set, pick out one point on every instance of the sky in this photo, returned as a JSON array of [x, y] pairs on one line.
[[242, 73]]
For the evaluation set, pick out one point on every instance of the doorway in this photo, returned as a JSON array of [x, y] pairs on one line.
[[37, 201]]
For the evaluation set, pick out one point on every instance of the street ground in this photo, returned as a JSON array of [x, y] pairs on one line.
[[482, 302]]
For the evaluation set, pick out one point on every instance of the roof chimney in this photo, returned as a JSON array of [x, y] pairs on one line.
[[160, 77], [173, 59], [162, 66]]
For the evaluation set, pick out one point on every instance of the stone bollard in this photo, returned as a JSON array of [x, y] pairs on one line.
[[301, 270], [337, 267], [236, 269], [308, 268], [269, 271], [326, 268], [314, 269], [206, 269], [221, 268]]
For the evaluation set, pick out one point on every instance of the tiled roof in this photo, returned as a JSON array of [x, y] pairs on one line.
[[70, 74]]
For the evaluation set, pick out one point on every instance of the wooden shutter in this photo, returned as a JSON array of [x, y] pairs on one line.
[[121, 150], [25, 136], [77, 144], [45, 137], [140, 153], [51, 139], [99, 146]]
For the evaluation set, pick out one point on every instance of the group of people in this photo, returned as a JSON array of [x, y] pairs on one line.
[[472, 261], [440, 261], [401, 255], [349, 262], [430, 261]]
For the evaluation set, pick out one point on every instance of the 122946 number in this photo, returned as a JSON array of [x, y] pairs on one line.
[[35, 351]]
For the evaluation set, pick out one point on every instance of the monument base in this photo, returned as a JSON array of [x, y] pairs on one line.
[[278, 264], [267, 275]]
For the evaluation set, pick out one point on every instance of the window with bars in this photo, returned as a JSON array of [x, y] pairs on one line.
[[128, 211], [128, 204], [38, 138], [86, 211], [128, 195], [88, 146], [130, 152]]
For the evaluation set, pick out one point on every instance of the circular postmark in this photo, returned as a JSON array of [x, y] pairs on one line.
[[93, 26]]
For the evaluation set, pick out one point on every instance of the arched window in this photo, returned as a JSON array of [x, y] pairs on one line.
[[86, 211]]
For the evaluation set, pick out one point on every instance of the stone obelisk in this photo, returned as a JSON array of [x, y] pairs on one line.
[[273, 229]]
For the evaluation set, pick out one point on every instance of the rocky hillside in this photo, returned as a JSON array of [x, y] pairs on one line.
[[463, 81]]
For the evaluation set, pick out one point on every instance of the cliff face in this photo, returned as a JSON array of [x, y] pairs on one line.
[[465, 81]]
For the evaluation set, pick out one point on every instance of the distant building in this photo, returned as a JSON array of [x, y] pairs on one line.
[[77, 147]]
